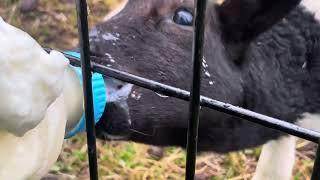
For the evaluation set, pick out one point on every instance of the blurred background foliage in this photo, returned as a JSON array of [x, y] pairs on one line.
[[53, 24]]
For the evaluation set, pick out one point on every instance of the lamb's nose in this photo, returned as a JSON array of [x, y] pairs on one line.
[[117, 91], [115, 121]]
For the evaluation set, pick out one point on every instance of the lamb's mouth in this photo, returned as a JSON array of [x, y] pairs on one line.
[[115, 123], [111, 137]]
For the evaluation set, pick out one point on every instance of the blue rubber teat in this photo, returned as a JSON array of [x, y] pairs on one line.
[[99, 98]]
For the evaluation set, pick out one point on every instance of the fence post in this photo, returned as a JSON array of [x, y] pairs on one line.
[[82, 16], [198, 43], [316, 166]]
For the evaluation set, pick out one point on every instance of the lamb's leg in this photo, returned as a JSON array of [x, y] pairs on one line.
[[276, 160]]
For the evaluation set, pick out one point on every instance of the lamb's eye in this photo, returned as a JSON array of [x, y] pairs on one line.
[[183, 17]]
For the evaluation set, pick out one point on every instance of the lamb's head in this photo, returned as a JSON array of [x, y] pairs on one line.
[[153, 39]]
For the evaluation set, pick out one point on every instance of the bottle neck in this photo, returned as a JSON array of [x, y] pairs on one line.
[[73, 93], [73, 97]]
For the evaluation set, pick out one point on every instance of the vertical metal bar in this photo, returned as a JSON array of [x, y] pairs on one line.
[[82, 16], [316, 166], [198, 43]]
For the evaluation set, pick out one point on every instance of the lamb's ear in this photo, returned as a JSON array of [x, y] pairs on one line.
[[119, 7], [243, 20]]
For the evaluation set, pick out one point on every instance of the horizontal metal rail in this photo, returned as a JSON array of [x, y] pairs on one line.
[[204, 101]]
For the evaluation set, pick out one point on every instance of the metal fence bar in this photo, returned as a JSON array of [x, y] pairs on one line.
[[82, 16], [204, 101], [194, 109], [316, 166]]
